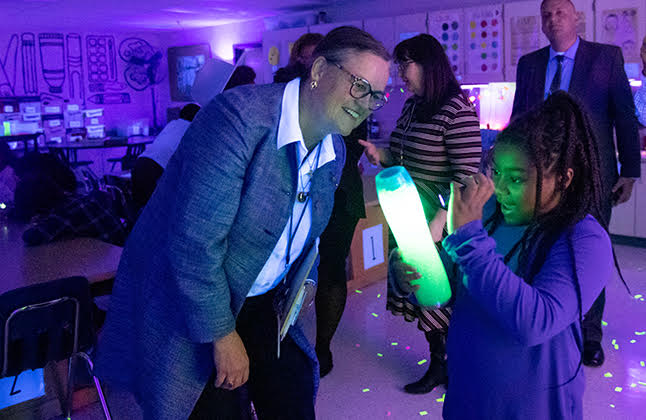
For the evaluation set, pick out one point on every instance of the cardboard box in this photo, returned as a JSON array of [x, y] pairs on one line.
[[95, 131], [368, 260]]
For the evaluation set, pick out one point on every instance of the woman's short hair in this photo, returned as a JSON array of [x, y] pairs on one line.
[[340, 42], [300, 44]]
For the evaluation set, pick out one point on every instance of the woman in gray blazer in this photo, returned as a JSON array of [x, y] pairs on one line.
[[247, 193]]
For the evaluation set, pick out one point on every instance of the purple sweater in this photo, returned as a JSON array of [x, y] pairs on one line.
[[511, 344]]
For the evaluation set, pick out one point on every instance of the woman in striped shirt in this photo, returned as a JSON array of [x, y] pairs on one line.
[[437, 139]]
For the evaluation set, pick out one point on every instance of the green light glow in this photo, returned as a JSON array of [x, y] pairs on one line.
[[6, 125], [402, 207]]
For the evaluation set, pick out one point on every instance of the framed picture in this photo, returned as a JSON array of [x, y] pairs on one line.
[[183, 63]]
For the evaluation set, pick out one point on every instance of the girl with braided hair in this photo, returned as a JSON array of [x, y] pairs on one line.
[[527, 274]]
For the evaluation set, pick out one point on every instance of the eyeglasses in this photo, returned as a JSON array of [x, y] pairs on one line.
[[402, 66], [361, 88]]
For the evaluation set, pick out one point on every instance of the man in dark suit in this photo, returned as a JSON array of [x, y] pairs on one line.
[[592, 73]]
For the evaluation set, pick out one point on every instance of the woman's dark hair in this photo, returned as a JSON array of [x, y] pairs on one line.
[[554, 136], [242, 75], [306, 40], [440, 84], [339, 43], [189, 111]]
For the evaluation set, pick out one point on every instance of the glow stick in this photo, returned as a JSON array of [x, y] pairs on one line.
[[404, 213]]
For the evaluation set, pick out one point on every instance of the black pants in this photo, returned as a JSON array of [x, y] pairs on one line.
[[279, 388], [331, 293]]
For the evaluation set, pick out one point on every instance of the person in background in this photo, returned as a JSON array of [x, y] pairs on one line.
[[526, 272], [300, 58], [150, 165], [242, 75], [640, 95], [437, 139], [8, 178], [594, 75], [46, 197], [242, 200]]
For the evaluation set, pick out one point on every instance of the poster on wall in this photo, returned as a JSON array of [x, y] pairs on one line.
[[446, 27], [622, 23], [619, 27], [484, 40], [183, 64]]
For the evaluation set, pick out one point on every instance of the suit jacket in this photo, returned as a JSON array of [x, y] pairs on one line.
[[198, 246], [600, 85]]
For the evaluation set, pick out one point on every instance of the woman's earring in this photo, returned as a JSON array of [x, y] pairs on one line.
[[314, 84]]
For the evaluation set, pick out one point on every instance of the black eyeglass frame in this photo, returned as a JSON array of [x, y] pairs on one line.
[[374, 103]]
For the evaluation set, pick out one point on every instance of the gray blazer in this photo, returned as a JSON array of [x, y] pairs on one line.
[[600, 85], [199, 245]]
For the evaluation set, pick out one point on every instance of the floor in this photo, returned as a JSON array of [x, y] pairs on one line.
[[375, 354]]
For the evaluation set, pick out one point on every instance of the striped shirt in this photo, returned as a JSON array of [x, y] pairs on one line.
[[447, 148]]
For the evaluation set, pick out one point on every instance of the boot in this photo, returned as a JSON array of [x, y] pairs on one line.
[[436, 373], [434, 376]]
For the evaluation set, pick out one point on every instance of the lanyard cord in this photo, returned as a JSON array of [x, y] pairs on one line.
[[292, 232]]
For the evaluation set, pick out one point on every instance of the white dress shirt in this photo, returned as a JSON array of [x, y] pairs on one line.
[[289, 131], [166, 142]]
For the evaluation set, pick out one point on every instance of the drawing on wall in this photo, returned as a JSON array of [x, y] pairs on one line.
[[143, 61], [75, 67], [525, 36], [102, 63], [484, 51], [110, 98], [183, 64], [619, 27], [28, 54], [446, 27], [8, 68], [52, 60]]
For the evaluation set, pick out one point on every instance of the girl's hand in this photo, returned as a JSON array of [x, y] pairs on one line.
[[403, 273], [371, 151], [466, 202]]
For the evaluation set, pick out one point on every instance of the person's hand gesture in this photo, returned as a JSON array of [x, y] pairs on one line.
[[371, 151], [231, 362], [403, 273], [467, 201]]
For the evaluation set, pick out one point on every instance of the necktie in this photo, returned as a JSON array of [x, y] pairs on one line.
[[556, 81]]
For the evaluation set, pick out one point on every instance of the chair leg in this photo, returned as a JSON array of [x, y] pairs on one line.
[[97, 384], [69, 398]]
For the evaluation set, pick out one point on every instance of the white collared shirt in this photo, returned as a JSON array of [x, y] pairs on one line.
[[289, 131]]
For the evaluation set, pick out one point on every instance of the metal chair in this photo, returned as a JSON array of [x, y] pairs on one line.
[[48, 322], [128, 160]]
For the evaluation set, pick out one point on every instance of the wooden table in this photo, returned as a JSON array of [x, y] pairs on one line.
[[21, 265]]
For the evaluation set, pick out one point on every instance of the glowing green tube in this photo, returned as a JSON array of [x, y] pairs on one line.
[[403, 209]]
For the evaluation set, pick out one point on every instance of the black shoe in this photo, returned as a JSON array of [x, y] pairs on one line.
[[434, 376], [325, 362], [593, 354]]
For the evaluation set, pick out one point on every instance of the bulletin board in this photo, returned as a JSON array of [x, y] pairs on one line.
[[484, 44], [523, 33], [447, 28], [622, 23]]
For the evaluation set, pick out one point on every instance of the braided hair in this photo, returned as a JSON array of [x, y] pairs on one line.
[[554, 136]]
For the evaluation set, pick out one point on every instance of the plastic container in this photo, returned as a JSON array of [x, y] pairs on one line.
[[404, 213]]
